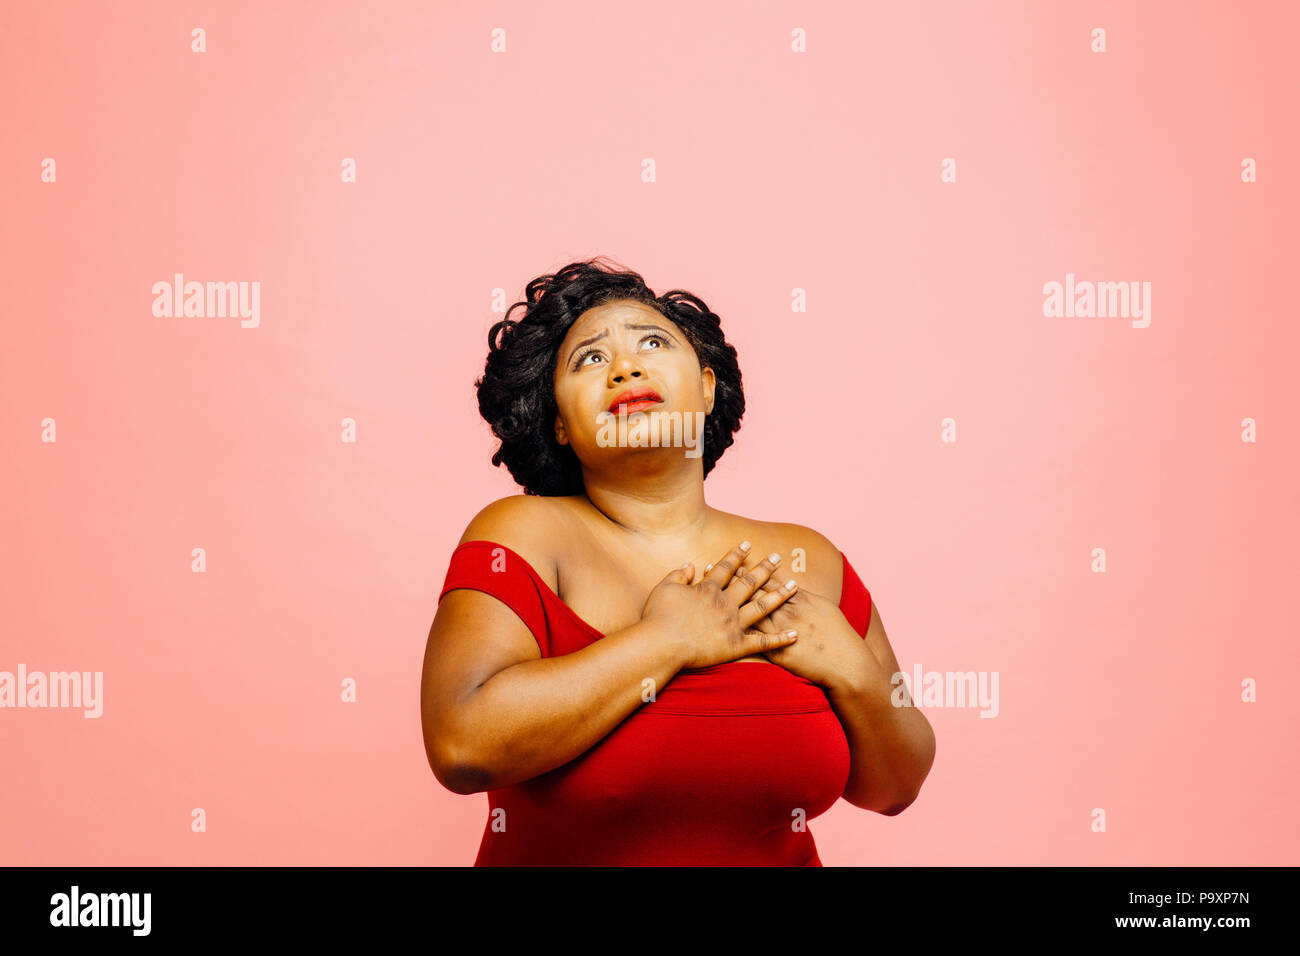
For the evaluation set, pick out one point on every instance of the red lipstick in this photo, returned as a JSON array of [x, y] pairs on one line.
[[634, 400]]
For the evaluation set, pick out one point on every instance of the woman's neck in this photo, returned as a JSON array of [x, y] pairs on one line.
[[654, 507]]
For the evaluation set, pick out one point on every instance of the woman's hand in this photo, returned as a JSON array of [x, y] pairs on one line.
[[712, 617], [829, 651]]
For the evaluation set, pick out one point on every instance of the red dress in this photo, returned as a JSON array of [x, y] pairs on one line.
[[723, 768]]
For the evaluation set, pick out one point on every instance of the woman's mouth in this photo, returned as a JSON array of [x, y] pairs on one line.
[[635, 400]]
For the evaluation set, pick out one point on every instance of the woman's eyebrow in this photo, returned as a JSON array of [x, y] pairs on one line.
[[658, 327], [598, 335]]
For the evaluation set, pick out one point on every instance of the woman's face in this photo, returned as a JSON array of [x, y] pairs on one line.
[[623, 347]]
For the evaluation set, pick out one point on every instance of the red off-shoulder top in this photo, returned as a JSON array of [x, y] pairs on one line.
[[724, 768]]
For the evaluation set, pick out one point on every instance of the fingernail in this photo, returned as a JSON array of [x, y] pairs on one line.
[[774, 557], [789, 585], [708, 569], [791, 633], [744, 546]]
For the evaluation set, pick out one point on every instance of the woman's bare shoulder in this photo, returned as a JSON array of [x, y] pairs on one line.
[[811, 556], [526, 524]]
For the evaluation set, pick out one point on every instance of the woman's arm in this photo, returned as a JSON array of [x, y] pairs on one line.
[[892, 747], [533, 714]]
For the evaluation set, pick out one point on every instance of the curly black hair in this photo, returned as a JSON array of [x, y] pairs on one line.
[[516, 393]]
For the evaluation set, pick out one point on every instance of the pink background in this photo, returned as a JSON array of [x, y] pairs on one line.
[[478, 171]]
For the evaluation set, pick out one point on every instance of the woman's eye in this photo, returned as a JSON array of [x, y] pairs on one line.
[[582, 359]]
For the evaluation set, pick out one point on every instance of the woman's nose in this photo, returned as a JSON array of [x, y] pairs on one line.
[[624, 367]]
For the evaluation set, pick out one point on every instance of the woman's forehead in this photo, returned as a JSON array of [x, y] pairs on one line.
[[615, 315]]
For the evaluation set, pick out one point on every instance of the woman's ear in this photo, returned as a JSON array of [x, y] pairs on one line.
[[561, 435], [710, 383]]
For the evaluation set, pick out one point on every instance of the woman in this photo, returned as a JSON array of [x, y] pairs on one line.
[[633, 676]]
